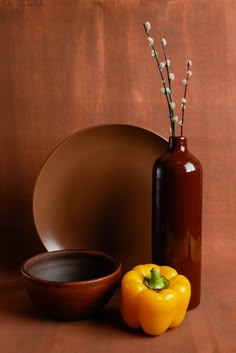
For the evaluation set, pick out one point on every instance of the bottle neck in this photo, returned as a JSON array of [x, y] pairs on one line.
[[178, 143]]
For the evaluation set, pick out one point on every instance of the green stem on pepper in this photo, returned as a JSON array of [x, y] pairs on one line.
[[155, 281]]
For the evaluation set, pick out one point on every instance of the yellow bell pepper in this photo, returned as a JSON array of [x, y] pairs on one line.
[[154, 298]]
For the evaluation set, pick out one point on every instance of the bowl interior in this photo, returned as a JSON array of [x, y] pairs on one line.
[[71, 266]]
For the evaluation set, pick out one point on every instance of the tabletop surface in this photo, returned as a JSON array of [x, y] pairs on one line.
[[208, 328]]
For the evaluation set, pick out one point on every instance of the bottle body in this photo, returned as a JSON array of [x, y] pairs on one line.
[[177, 213]]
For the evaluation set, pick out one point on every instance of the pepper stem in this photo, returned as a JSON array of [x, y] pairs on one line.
[[156, 281]]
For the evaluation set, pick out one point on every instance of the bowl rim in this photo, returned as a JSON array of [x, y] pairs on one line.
[[115, 273]]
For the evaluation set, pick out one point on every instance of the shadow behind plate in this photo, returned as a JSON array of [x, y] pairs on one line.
[[94, 191]]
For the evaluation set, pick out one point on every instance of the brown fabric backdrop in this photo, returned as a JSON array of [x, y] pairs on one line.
[[66, 65]]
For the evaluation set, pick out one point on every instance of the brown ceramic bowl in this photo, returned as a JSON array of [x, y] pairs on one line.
[[71, 284]]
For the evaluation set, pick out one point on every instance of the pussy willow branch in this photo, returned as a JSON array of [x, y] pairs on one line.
[[167, 68], [169, 100], [183, 104]]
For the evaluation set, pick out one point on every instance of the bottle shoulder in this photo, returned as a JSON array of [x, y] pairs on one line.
[[178, 159]]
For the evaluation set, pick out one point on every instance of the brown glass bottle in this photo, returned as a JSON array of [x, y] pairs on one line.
[[177, 213]]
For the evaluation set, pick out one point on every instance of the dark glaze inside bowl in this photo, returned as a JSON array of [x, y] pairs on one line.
[[70, 266]]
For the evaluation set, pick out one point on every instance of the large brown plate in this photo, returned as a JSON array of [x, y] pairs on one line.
[[94, 191]]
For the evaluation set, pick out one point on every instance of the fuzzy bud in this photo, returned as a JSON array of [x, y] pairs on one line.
[[189, 62], [171, 76], [168, 90], [153, 53], [175, 118], [189, 73], [163, 42], [148, 26], [162, 65], [150, 40], [172, 105]]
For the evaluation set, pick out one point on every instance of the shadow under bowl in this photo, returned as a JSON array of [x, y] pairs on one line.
[[71, 284]]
